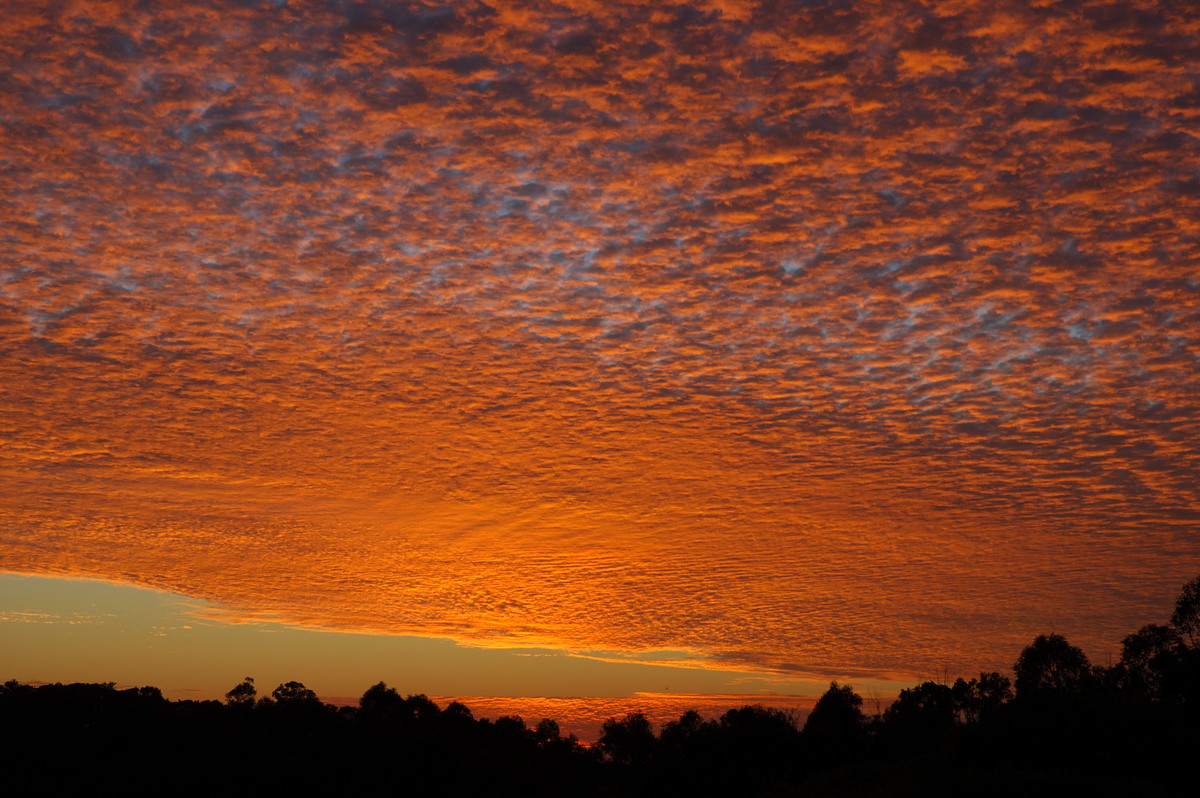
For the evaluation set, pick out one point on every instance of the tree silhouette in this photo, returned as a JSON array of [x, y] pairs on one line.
[[1150, 661], [683, 733], [420, 707], [921, 713], [547, 732], [977, 698], [1186, 618], [380, 705], [835, 728], [1186, 621], [628, 741], [1124, 734], [243, 694], [759, 742], [457, 711], [1051, 665], [293, 693]]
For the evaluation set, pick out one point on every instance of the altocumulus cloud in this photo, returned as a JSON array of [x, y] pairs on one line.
[[800, 336]]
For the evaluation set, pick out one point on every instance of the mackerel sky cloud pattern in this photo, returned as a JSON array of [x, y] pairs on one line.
[[811, 337]]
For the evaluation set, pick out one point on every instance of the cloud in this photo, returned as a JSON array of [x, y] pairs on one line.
[[818, 335]]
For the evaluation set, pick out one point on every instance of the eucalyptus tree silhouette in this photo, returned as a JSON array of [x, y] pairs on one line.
[[976, 699], [920, 714], [547, 732], [758, 743], [243, 694], [1186, 618], [1186, 621], [684, 733], [836, 727], [628, 741], [293, 693], [1151, 662], [1051, 666], [380, 705]]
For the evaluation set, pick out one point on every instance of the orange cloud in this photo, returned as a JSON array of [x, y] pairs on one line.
[[804, 339]]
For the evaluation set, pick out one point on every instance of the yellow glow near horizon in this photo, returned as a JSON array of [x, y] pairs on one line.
[[84, 630]]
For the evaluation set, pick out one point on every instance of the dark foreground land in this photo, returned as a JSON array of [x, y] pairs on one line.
[[1062, 727]]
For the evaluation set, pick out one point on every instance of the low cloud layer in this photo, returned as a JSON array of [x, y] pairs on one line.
[[801, 337]]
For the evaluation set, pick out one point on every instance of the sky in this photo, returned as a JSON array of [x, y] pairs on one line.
[[775, 341]]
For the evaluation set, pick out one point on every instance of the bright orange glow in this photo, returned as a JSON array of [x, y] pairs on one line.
[[832, 342]]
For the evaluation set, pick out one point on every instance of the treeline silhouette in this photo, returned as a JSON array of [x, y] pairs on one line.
[[1062, 726]]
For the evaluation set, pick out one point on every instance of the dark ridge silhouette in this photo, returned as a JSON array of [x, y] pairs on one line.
[[1069, 727]]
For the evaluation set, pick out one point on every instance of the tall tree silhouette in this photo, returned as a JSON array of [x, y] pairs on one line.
[[380, 705], [920, 714], [1051, 665], [1186, 621], [628, 741], [1186, 618], [1150, 662], [293, 693], [976, 699], [836, 728], [243, 694]]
